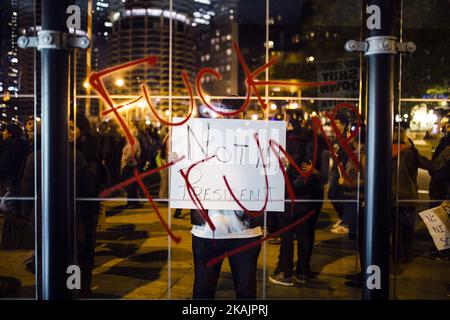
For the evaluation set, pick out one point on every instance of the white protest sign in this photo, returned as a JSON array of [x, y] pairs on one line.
[[236, 155], [437, 221]]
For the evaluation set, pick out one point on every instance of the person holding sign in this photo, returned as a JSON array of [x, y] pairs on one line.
[[234, 229], [439, 169]]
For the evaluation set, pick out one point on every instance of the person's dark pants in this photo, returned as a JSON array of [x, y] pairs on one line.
[[317, 195], [132, 188], [301, 233], [403, 235], [86, 237], [272, 222], [349, 217], [112, 164], [335, 194], [359, 237], [243, 266]]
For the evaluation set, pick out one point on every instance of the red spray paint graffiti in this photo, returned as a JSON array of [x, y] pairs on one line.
[[251, 83], [253, 213], [96, 81]]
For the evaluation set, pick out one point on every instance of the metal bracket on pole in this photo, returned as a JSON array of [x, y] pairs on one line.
[[380, 45], [50, 39]]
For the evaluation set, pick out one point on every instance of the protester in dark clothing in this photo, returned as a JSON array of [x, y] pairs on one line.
[[149, 146], [29, 134], [12, 158], [284, 273], [111, 144], [440, 171], [335, 191], [92, 179], [352, 185], [29, 129], [318, 180], [404, 187], [129, 163], [85, 215], [233, 229]]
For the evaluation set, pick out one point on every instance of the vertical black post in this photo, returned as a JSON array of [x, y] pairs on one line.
[[380, 99], [55, 202]]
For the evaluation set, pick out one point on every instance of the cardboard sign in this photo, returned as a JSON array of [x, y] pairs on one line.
[[346, 74], [235, 154], [438, 224]]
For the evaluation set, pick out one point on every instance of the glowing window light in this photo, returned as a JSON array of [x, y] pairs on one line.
[[116, 16], [203, 1], [119, 82], [138, 12]]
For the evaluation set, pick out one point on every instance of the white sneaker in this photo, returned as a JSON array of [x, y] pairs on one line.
[[337, 224], [340, 230]]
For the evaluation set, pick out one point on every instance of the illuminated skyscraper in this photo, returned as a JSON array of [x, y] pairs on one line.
[[140, 29], [9, 73]]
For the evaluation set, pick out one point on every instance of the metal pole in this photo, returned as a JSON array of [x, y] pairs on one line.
[[88, 58], [380, 97], [55, 182]]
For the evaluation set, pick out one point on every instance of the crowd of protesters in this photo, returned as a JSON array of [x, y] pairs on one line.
[[346, 193], [105, 158]]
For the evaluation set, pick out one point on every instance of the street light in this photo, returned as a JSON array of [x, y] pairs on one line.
[[119, 82], [293, 105]]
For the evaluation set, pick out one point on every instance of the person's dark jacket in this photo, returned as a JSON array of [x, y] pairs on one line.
[[356, 176], [335, 191], [297, 147], [86, 185], [322, 163], [439, 170], [404, 173], [12, 158]]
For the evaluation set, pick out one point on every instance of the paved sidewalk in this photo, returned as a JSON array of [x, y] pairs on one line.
[[132, 262]]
